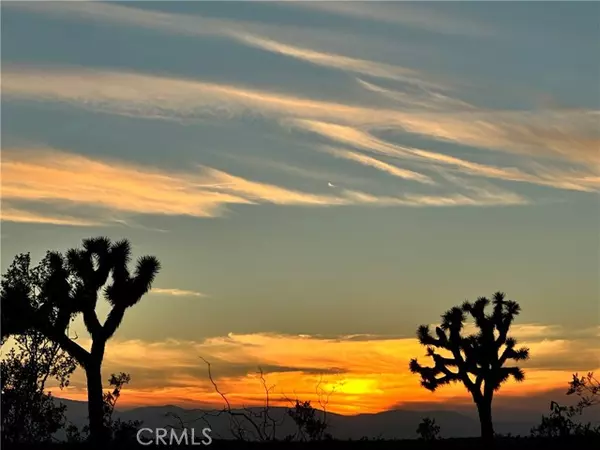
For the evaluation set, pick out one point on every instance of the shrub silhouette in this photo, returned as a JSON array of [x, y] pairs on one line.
[[475, 360], [560, 423], [29, 413], [428, 430], [587, 388], [70, 286], [306, 418], [562, 420]]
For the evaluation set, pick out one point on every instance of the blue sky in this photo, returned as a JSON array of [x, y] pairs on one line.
[[312, 168]]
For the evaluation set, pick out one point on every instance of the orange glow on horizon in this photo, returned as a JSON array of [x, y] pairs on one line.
[[370, 375], [355, 400]]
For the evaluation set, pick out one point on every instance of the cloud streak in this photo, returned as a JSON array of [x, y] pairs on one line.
[[573, 180], [160, 97], [10, 214], [567, 134], [564, 134], [403, 14], [425, 100], [340, 62], [241, 32], [49, 176], [376, 378], [174, 292], [379, 165]]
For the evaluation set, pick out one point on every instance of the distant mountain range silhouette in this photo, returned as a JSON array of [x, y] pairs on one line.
[[393, 424]]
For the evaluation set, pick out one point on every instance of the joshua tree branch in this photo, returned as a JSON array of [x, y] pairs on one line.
[[75, 350], [113, 321], [478, 382], [90, 319], [447, 378]]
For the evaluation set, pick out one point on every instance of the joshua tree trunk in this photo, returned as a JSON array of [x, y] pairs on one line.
[[484, 408], [93, 373]]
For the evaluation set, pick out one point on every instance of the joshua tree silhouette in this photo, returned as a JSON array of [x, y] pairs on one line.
[[477, 359], [70, 286]]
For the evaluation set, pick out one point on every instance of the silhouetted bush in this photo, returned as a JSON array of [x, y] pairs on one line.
[[563, 420], [310, 426], [428, 430], [29, 412]]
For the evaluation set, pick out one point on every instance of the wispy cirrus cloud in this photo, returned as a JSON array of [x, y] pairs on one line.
[[567, 134], [250, 34], [532, 332], [379, 165], [174, 292], [11, 214], [543, 175], [403, 14], [48, 175], [340, 62], [477, 197], [269, 193], [420, 100], [570, 135], [159, 97], [300, 171], [536, 331], [31, 176]]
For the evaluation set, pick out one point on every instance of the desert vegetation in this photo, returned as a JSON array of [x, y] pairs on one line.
[[39, 303]]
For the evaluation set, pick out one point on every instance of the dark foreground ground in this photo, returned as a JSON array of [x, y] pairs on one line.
[[446, 444]]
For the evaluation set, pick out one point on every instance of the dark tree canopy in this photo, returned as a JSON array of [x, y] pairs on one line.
[[47, 298]]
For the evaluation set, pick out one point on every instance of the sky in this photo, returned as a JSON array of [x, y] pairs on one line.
[[317, 180]]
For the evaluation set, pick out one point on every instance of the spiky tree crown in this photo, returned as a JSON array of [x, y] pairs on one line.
[[480, 356], [69, 284]]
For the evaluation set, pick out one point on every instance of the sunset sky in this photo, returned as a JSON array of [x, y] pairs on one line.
[[317, 179]]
